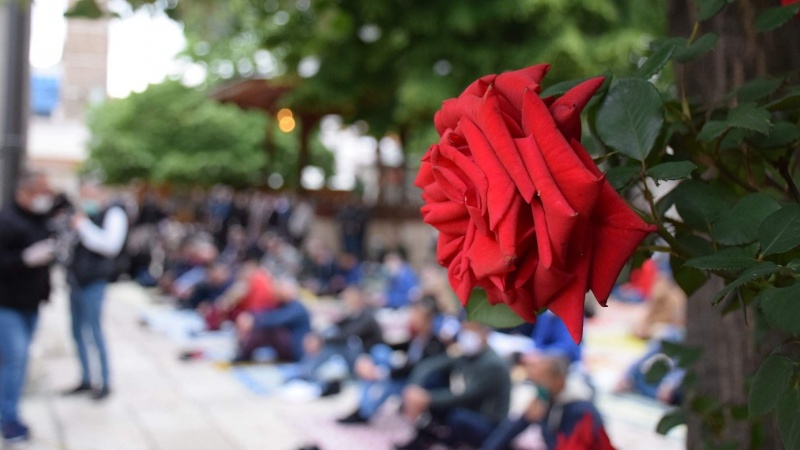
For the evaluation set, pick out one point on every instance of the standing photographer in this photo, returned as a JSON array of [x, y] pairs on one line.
[[101, 229], [25, 256]]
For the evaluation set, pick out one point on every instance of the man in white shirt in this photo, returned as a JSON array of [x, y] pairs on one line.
[[101, 229]]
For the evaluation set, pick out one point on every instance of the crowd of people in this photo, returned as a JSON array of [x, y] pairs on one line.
[[358, 316], [249, 265]]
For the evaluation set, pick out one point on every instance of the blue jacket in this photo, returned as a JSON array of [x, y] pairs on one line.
[[400, 286], [290, 315], [550, 336]]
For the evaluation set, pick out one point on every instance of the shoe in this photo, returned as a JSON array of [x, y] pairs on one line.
[[101, 393], [79, 389], [331, 388], [353, 419], [419, 442], [16, 431]]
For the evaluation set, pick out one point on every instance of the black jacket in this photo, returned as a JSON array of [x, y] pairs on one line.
[[433, 347], [362, 325], [21, 287]]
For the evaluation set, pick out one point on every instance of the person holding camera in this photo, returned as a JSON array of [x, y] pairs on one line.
[[26, 252], [101, 228]]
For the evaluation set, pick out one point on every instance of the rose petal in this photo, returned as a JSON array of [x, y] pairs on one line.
[[447, 247], [559, 217], [487, 259], [568, 303], [617, 232], [511, 85], [491, 123], [503, 191], [567, 109]]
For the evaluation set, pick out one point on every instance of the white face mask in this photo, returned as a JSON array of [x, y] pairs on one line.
[[41, 204], [469, 342]]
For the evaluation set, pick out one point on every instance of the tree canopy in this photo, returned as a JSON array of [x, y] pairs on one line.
[[171, 133], [391, 64]]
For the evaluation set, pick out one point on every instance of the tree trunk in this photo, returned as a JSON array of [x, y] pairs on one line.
[[742, 54]]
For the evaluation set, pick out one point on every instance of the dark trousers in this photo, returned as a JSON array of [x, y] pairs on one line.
[[501, 437], [464, 427], [279, 339]]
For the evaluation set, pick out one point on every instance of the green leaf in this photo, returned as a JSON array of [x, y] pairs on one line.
[[787, 102], [782, 134], [712, 130], [85, 9], [699, 204], [561, 88], [657, 60], [781, 307], [780, 231], [788, 423], [671, 420], [685, 355], [659, 368], [749, 117], [630, 118], [749, 275], [671, 171], [497, 316], [769, 384], [709, 9], [725, 261], [757, 89], [620, 177], [733, 139], [739, 225], [702, 45], [775, 17]]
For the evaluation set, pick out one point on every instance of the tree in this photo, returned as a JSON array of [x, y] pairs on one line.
[[170, 133]]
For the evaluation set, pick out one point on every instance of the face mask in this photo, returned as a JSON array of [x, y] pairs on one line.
[[470, 342], [90, 207], [41, 204]]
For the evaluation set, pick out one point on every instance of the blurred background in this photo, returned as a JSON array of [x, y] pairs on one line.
[[288, 133]]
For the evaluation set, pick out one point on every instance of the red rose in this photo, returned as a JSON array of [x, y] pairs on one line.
[[585, 437], [522, 210]]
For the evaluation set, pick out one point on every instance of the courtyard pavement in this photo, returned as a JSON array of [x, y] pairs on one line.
[[162, 403]]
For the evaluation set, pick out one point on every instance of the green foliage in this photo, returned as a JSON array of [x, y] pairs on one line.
[[671, 420], [780, 231], [392, 63], [170, 133], [630, 117], [781, 307], [498, 316], [738, 163], [775, 17], [671, 170], [788, 423], [769, 384]]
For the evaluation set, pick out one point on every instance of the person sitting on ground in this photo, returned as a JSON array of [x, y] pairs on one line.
[[348, 273], [251, 292], [355, 333], [201, 255], [218, 280], [558, 407], [475, 400], [319, 268], [403, 284], [281, 329], [385, 371]]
